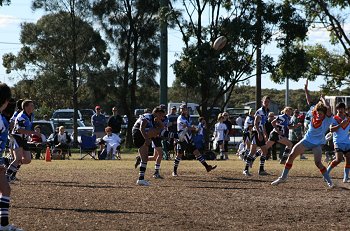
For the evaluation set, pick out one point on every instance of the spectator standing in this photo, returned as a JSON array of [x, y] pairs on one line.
[[115, 121], [98, 121], [239, 121], [228, 132], [296, 134], [172, 127]]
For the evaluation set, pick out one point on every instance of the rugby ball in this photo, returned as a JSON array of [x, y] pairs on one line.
[[219, 43]]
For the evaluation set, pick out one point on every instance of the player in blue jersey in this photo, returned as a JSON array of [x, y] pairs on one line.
[[314, 139], [259, 138], [5, 190], [340, 128], [184, 126], [21, 131], [147, 128], [280, 132]]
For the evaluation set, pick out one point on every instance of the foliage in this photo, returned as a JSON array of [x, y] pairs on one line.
[[132, 28], [5, 2], [329, 14]]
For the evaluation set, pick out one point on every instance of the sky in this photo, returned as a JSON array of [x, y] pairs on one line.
[[19, 11]]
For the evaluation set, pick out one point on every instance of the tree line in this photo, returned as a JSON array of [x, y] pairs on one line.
[[82, 53]]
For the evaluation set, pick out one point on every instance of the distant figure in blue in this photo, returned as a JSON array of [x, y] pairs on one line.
[[99, 122]]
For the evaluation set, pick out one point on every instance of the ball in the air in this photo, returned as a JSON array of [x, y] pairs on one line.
[[219, 43]]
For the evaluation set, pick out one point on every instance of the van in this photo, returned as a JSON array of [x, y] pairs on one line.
[[192, 107]]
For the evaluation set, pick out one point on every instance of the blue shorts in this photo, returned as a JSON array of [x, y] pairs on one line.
[[342, 147], [309, 145]]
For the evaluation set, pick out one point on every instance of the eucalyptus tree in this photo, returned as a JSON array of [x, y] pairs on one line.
[[132, 28], [331, 17], [248, 25], [59, 51]]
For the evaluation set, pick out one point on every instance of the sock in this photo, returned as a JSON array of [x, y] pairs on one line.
[[201, 159], [11, 169], [286, 151], [249, 160], [169, 135], [176, 164], [262, 162], [157, 167], [245, 155], [4, 210], [331, 166], [143, 166], [346, 171], [325, 174], [286, 169], [258, 153]]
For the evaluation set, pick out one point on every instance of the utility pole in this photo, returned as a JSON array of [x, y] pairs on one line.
[[258, 57], [286, 101], [163, 52]]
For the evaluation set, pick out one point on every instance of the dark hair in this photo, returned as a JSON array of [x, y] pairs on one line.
[[5, 93], [200, 119], [19, 104], [158, 109], [10, 109], [340, 105], [26, 102]]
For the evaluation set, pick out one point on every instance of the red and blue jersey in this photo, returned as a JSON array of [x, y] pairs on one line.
[[317, 129], [341, 135]]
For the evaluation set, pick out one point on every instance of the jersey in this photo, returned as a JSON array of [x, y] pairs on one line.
[[4, 126], [283, 121], [220, 130], [317, 129], [182, 123], [341, 135], [263, 113], [149, 117], [22, 121], [200, 129], [249, 122]]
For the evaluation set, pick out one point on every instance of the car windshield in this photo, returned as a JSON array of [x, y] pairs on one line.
[[63, 115]]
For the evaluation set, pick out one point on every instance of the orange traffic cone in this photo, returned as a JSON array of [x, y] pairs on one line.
[[48, 154]]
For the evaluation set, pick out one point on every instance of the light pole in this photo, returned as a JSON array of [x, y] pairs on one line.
[[163, 52]]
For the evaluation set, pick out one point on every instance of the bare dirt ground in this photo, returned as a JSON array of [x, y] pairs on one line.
[[102, 195]]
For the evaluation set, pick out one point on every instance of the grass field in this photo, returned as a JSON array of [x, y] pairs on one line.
[[102, 195]]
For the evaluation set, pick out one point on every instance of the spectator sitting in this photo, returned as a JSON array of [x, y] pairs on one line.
[[36, 142], [112, 141], [62, 140]]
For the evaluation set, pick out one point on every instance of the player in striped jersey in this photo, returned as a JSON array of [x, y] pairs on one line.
[[259, 138], [184, 125], [340, 128], [21, 131], [280, 132]]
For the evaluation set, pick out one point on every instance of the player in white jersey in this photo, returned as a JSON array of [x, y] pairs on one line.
[[259, 138], [184, 125], [220, 134]]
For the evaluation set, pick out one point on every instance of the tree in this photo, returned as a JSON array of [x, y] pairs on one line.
[[132, 29], [5, 2], [56, 55], [328, 14], [216, 73]]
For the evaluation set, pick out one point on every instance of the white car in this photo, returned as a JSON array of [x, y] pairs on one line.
[[68, 124]]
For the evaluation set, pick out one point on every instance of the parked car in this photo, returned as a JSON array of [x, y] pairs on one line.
[[65, 114], [86, 114], [47, 127], [236, 136], [68, 124]]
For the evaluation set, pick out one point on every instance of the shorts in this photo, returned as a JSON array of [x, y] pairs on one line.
[[247, 136], [157, 142], [20, 142], [189, 147], [274, 136], [342, 147], [137, 138], [309, 145], [256, 141]]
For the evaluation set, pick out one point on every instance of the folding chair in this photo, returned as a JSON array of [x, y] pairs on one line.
[[88, 145]]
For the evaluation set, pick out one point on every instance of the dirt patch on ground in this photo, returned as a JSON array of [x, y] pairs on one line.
[[102, 195]]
